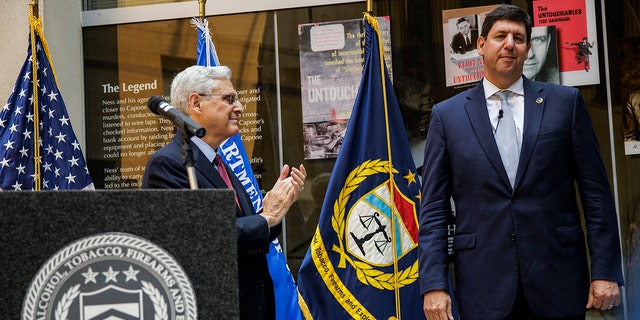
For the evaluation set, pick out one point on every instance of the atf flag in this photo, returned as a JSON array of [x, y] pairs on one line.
[[38, 149], [363, 259], [233, 154]]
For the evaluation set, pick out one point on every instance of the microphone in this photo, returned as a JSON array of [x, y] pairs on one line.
[[161, 107], [500, 114]]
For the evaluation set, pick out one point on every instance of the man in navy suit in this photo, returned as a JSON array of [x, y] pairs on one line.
[[208, 97], [519, 248]]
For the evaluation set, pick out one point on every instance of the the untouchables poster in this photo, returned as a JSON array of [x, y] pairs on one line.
[[575, 23], [461, 28], [331, 63]]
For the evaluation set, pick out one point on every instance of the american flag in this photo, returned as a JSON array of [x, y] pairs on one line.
[[62, 165]]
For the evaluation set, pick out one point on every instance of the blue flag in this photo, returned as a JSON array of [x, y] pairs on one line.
[[363, 259], [38, 148], [233, 154]]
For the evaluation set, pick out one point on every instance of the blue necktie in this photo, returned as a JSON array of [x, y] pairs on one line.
[[507, 138]]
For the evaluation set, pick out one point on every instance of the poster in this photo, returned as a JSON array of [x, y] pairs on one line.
[[130, 133], [120, 78], [461, 28], [542, 61], [630, 93], [331, 62], [575, 23]]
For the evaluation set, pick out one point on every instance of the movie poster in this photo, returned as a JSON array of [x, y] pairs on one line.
[[575, 23], [331, 63], [461, 28]]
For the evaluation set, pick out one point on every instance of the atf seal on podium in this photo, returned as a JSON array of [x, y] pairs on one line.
[[110, 276]]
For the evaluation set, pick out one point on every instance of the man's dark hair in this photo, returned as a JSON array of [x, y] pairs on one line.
[[506, 12], [461, 20]]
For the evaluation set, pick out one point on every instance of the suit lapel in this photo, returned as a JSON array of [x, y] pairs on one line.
[[476, 107], [213, 177], [243, 197], [206, 169], [534, 102]]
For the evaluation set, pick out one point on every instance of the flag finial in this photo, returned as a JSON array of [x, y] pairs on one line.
[[201, 4], [35, 9]]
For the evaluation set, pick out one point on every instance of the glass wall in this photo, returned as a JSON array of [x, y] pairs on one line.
[[622, 43], [128, 63], [262, 49]]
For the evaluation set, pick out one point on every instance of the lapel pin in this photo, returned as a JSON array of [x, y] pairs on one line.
[[539, 100]]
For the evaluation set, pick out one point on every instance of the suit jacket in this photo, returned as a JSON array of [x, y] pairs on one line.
[[531, 231], [459, 44], [165, 170]]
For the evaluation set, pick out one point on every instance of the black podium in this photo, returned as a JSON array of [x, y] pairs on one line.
[[127, 254]]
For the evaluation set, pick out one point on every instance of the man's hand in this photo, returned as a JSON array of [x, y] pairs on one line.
[[603, 295], [298, 175], [284, 193], [437, 305]]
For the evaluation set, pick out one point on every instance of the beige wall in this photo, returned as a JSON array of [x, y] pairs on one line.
[[63, 32]]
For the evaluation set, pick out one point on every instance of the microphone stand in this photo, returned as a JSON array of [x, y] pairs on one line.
[[187, 157]]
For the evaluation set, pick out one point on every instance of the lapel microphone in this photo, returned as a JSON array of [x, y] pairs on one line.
[[500, 115]]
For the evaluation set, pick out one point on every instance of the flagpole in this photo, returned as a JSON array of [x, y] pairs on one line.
[[33, 20], [201, 4], [187, 151], [206, 33], [34, 3], [392, 184]]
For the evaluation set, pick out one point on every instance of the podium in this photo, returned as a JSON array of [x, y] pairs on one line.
[[130, 254]]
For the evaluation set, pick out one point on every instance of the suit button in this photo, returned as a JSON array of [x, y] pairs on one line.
[[512, 237]]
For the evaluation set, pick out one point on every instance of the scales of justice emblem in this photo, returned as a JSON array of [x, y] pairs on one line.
[[369, 223], [378, 230]]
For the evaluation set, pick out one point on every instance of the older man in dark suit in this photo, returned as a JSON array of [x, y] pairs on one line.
[[207, 95]]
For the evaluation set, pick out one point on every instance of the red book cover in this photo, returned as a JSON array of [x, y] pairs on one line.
[[576, 29]]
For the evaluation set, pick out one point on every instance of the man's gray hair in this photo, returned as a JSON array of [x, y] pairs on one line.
[[196, 79]]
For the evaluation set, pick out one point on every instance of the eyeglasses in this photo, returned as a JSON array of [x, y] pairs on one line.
[[231, 98]]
